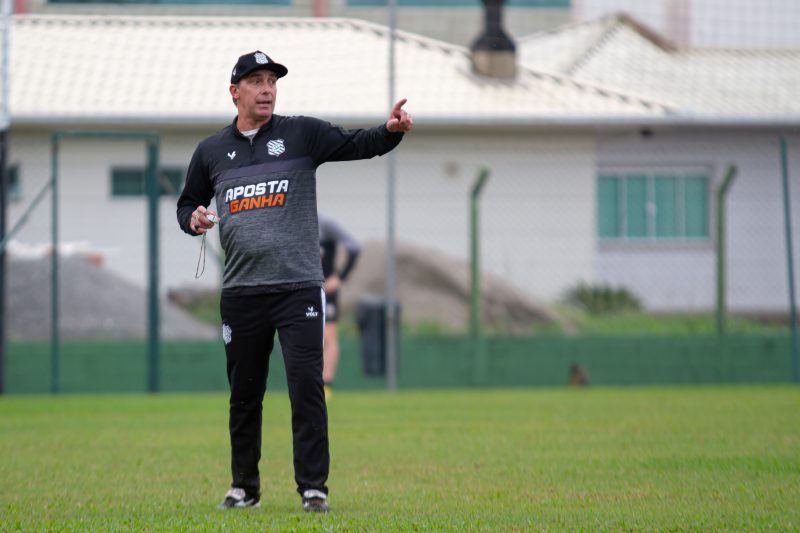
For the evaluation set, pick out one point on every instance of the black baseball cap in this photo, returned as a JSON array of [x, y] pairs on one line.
[[256, 61]]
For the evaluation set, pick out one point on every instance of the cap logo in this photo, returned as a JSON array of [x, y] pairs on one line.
[[261, 58]]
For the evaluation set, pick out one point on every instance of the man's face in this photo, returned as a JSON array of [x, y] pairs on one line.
[[255, 95]]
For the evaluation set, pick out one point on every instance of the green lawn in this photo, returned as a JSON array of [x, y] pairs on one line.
[[643, 459]]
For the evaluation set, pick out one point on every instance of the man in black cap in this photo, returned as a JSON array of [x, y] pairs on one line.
[[261, 170]]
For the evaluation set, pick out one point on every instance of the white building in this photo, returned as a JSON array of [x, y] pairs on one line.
[[554, 138], [741, 24], [731, 108]]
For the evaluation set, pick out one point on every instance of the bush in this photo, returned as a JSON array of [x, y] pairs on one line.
[[602, 299]]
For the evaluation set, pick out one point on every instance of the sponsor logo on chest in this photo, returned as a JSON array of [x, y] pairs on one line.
[[256, 195]]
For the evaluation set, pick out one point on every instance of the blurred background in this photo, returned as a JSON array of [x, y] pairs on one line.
[[595, 191]]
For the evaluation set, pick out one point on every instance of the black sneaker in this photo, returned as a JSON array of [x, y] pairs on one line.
[[314, 501], [236, 498]]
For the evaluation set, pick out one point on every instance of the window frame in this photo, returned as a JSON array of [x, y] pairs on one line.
[[174, 175], [681, 234]]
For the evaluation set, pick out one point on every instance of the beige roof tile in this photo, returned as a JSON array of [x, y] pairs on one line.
[[167, 69], [618, 53]]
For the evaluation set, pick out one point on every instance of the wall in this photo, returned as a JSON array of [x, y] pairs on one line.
[[537, 210], [674, 278]]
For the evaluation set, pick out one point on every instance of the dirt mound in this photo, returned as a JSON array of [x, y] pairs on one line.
[[436, 288], [93, 302]]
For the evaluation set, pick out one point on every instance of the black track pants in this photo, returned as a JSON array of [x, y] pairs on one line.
[[249, 324]]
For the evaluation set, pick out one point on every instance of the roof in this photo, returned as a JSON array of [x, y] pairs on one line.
[[177, 70], [617, 52]]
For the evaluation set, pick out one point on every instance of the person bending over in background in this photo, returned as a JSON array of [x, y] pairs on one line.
[[261, 170], [331, 236]]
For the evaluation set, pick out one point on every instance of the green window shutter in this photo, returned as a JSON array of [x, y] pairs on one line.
[[608, 216], [666, 200], [658, 206], [127, 182], [696, 206], [636, 206]]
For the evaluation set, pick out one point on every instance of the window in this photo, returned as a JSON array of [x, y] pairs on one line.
[[14, 190], [460, 3], [130, 181], [654, 206]]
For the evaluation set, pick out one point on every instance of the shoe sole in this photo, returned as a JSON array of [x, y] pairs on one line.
[[242, 506]]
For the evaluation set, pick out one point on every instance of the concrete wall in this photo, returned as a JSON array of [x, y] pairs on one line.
[[537, 209], [90, 219]]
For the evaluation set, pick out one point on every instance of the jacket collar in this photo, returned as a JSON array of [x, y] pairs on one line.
[[262, 129]]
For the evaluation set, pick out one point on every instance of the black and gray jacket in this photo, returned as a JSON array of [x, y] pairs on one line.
[[265, 192]]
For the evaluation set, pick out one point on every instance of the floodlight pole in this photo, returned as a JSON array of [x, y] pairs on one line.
[[391, 166]]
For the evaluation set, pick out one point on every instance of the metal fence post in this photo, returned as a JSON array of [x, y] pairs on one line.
[[722, 192], [153, 192], [787, 213], [55, 355], [478, 341]]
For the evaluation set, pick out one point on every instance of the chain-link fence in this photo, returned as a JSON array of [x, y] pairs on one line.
[[635, 225]]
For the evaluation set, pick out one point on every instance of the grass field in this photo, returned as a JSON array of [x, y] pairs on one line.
[[643, 459]]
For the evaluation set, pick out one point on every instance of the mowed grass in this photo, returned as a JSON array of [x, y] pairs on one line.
[[644, 459]]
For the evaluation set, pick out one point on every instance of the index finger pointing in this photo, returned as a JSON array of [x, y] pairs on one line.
[[398, 105]]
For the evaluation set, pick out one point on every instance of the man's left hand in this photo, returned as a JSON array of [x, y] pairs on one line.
[[399, 120]]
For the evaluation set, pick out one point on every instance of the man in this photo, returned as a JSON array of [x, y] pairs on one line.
[[331, 236], [261, 170]]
